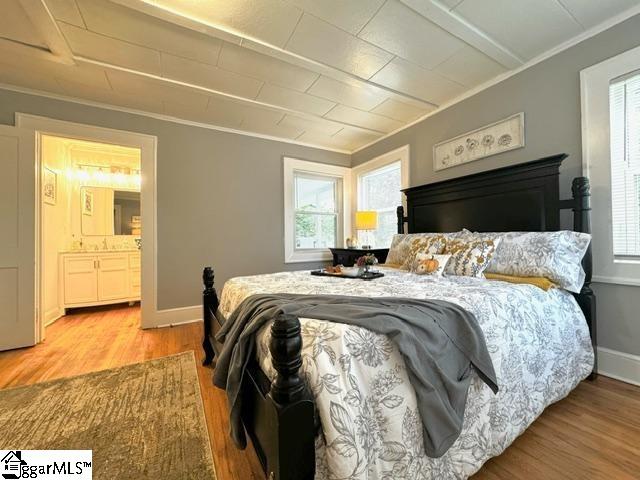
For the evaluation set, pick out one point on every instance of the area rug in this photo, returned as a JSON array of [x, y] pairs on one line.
[[144, 420]]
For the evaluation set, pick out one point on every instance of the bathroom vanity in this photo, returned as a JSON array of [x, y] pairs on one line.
[[99, 277]]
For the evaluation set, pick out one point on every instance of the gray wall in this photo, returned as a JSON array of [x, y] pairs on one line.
[[220, 195], [549, 94]]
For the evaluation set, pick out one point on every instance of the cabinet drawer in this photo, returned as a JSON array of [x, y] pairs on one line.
[[79, 265], [113, 262]]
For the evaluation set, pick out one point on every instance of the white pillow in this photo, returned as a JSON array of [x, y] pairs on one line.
[[422, 264]]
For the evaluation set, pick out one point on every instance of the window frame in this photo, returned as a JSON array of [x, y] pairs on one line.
[[401, 154], [595, 83], [294, 166]]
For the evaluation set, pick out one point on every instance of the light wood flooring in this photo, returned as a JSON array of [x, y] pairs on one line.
[[592, 434]]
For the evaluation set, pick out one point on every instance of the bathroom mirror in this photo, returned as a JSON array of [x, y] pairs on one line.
[[106, 212]]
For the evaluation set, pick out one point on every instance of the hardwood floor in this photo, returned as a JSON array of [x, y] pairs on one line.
[[592, 434]]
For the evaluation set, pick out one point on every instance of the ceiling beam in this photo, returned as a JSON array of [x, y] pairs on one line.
[[456, 25], [45, 24], [255, 44], [11, 48], [225, 95]]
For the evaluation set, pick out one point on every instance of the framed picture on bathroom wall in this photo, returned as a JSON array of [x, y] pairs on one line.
[[87, 202], [49, 186], [501, 136]]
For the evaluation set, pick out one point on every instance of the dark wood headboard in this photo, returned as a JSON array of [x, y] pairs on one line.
[[523, 197]]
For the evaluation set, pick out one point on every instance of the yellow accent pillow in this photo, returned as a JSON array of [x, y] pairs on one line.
[[540, 282]]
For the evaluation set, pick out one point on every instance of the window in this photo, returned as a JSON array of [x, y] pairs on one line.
[[316, 215], [624, 105], [314, 204], [379, 183], [379, 190], [611, 159]]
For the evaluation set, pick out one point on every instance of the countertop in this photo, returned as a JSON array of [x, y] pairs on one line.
[[127, 250]]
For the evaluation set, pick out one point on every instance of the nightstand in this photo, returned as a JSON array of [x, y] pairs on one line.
[[348, 256]]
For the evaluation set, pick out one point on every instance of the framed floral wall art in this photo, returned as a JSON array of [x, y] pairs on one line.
[[87, 202], [49, 186], [498, 137]]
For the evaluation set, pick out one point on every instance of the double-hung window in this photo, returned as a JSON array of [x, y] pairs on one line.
[[624, 105], [611, 160], [378, 184], [315, 220], [316, 211]]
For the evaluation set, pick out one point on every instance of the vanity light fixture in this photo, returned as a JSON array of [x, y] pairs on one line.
[[106, 176]]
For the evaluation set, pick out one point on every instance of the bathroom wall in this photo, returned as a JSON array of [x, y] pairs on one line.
[[55, 225]]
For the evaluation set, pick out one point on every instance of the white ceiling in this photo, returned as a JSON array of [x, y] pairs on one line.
[[334, 73]]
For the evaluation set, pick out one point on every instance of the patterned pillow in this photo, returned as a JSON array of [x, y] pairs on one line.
[[401, 245], [431, 245], [398, 250], [470, 258], [427, 264], [553, 255]]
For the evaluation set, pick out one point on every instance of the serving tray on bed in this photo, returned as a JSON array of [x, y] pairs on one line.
[[363, 276]]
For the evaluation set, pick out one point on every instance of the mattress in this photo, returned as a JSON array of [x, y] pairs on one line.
[[538, 341]]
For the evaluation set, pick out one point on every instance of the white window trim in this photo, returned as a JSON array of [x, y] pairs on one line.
[[292, 165], [402, 154], [596, 164]]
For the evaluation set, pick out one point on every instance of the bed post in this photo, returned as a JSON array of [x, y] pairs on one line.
[[401, 219], [580, 190], [291, 451], [209, 306]]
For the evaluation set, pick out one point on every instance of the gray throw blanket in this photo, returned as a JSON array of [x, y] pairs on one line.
[[438, 340]]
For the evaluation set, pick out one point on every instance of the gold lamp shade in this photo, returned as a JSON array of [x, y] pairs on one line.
[[366, 220]]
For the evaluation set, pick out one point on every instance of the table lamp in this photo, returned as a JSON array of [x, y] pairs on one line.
[[366, 220]]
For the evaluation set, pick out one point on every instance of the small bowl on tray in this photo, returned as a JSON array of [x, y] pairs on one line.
[[351, 271]]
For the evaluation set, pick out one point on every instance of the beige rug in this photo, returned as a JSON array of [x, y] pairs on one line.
[[142, 421]]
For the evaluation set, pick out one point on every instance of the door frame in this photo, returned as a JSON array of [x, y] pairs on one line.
[[150, 316]]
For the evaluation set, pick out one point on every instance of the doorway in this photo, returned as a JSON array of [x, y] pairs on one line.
[[142, 227], [90, 225]]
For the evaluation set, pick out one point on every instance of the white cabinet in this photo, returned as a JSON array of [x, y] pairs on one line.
[[80, 279], [135, 275], [113, 277], [99, 278]]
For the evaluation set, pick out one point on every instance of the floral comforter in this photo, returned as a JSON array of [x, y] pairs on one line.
[[539, 344]]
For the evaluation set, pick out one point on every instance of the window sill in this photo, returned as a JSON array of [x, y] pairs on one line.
[[312, 256], [633, 282]]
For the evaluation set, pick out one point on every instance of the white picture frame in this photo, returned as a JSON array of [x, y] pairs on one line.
[[499, 137], [49, 186], [87, 202]]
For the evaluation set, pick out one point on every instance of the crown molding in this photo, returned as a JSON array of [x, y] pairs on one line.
[[593, 31], [166, 118]]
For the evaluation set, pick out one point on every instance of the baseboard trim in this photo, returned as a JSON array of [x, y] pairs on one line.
[[619, 365], [52, 315], [178, 316]]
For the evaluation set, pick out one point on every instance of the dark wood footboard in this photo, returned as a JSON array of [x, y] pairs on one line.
[[278, 415]]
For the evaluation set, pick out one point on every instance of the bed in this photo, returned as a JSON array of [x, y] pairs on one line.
[[332, 401]]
